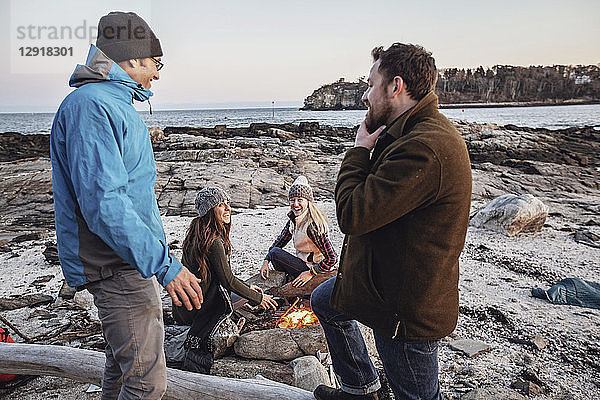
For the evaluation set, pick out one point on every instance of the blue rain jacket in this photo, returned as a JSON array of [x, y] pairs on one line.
[[103, 177]]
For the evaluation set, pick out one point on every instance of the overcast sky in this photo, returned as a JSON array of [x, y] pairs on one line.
[[243, 53]]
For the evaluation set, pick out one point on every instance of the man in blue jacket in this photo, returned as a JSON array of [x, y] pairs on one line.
[[110, 236]]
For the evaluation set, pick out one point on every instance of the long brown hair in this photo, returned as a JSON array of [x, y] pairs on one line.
[[199, 237]]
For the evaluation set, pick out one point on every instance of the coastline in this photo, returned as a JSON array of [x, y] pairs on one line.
[[523, 104], [478, 105]]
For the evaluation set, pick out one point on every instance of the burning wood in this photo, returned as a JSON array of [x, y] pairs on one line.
[[297, 317]]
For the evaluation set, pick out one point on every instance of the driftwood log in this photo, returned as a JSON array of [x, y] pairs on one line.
[[288, 290], [88, 366]]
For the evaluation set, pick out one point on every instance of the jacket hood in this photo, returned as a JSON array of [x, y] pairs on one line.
[[98, 67]]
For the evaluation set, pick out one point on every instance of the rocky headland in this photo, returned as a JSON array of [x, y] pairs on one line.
[[507, 344], [504, 85]]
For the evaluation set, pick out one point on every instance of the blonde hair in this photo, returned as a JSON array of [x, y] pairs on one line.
[[318, 218]]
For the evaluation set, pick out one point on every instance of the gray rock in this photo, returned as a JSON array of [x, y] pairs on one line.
[[309, 373], [281, 134], [233, 367], [588, 238], [526, 387], [271, 344], [539, 342], [469, 347], [511, 214], [288, 290], [275, 279], [310, 339], [493, 393], [280, 344]]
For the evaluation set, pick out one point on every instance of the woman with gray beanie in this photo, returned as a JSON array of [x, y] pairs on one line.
[[307, 229], [206, 251]]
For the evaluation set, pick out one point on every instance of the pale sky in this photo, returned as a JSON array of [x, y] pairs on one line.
[[243, 53]]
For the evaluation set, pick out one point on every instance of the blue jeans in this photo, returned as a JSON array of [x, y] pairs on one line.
[[347, 348], [286, 262], [411, 367]]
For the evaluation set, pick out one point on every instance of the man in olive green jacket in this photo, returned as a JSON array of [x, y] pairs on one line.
[[404, 210]]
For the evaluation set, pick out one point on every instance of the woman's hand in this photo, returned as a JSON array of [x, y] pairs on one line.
[[258, 289], [268, 302], [264, 270], [302, 279]]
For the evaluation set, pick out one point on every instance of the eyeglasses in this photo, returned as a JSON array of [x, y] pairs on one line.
[[159, 65]]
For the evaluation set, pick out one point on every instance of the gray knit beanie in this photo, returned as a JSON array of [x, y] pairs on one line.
[[301, 188], [209, 197], [125, 36]]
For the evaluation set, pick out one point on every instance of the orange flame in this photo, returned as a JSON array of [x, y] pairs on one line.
[[298, 318]]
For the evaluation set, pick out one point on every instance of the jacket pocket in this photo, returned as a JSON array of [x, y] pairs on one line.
[[371, 281]]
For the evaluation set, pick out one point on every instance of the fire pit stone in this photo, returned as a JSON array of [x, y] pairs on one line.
[[281, 344]]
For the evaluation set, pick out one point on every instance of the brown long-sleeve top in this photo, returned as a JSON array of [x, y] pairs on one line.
[[220, 269]]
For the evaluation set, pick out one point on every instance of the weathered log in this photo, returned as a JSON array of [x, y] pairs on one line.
[[288, 290], [88, 366]]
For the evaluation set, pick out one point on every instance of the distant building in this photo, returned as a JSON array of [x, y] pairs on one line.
[[582, 79]]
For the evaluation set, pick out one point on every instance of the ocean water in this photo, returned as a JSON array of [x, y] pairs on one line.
[[554, 117]]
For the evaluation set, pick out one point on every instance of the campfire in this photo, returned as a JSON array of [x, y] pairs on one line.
[[297, 317]]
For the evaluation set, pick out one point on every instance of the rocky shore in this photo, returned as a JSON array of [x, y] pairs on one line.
[[526, 347]]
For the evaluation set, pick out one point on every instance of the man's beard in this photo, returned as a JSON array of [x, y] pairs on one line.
[[378, 117]]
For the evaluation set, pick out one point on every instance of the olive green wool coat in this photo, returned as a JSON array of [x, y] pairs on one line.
[[405, 211]]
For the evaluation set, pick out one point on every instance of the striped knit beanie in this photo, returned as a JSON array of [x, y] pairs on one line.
[[301, 188]]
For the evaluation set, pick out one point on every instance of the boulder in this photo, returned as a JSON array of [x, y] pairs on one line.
[[309, 373], [511, 214], [233, 367], [275, 279], [288, 290], [493, 393], [281, 344], [281, 134]]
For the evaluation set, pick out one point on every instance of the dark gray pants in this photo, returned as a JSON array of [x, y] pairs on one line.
[[130, 310]]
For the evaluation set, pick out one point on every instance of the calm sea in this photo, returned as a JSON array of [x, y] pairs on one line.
[[554, 117]]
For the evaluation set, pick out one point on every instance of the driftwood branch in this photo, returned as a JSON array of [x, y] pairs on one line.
[[88, 366], [14, 328]]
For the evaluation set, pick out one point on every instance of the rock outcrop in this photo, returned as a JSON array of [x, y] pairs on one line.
[[257, 164], [340, 95]]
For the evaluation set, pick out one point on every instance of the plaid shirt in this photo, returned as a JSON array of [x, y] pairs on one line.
[[321, 241]]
